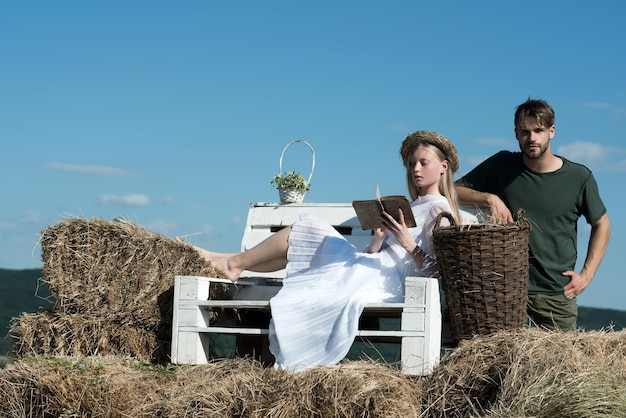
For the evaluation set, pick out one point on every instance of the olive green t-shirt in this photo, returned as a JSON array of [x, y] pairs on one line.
[[553, 202]]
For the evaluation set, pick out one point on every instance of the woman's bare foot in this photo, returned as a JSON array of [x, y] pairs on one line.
[[221, 262]]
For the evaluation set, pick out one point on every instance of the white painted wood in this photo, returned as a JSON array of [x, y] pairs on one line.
[[256, 292], [420, 317], [420, 352], [189, 346]]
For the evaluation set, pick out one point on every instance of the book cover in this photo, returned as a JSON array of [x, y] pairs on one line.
[[370, 212]]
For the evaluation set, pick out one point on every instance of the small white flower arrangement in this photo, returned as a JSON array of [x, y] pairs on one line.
[[290, 180], [291, 186]]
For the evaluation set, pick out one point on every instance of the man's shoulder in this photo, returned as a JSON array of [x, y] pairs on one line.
[[578, 167], [504, 157], [508, 154], [503, 164]]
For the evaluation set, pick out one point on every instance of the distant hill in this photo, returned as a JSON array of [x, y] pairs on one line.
[[598, 318], [24, 291], [20, 291]]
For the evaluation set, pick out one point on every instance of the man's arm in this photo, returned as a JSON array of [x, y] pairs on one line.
[[598, 242], [471, 197]]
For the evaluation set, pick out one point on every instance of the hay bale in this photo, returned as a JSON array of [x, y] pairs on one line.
[[241, 387], [513, 372], [118, 271], [78, 387], [506, 374], [54, 333], [596, 393], [114, 386]]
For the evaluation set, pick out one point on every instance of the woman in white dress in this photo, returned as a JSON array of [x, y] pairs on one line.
[[328, 281]]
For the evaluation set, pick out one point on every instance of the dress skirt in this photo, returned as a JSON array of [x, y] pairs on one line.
[[315, 316]]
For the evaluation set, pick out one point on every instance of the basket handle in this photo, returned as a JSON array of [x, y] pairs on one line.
[[280, 163], [442, 215]]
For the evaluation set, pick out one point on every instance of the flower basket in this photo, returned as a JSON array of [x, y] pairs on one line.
[[292, 186], [290, 196], [484, 275]]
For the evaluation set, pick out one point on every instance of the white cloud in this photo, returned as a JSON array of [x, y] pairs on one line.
[[495, 141], [596, 156], [5, 226], [161, 226], [31, 217], [128, 200], [471, 162], [619, 113], [207, 229], [405, 130], [100, 170], [197, 206], [597, 105]]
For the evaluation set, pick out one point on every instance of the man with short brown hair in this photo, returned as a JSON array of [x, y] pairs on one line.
[[554, 192]]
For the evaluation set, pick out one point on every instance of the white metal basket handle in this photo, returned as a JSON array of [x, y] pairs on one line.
[[280, 163]]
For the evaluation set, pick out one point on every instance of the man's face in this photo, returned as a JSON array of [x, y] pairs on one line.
[[534, 140]]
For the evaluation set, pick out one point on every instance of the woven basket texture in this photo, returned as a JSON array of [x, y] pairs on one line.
[[484, 274], [290, 196]]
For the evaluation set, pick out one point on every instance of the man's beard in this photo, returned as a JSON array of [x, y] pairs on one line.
[[534, 154]]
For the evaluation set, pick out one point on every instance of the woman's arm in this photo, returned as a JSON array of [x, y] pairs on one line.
[[423, 260], [376, 244]]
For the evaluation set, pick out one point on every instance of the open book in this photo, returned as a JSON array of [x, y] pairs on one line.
[[370, 212]]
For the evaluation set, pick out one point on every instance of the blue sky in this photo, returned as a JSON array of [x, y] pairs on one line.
[[174, 114]]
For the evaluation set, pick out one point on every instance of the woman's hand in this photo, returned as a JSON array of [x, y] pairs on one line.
[[399, 230], [376, 244]]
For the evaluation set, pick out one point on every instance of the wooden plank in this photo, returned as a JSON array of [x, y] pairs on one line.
[[433, 326], [192, 348], [189, 348], [419, 355], [225, 330], [194, 287], [265, 304], [276, 215], [265, 331], [175, 336], [233, 304]]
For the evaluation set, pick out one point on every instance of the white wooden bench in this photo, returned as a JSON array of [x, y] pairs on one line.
[[420, 330]]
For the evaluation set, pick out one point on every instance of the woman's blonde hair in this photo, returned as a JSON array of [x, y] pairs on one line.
[[446, 151]]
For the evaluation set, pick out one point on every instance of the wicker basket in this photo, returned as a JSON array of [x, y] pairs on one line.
[[484, 274], [289, 195]]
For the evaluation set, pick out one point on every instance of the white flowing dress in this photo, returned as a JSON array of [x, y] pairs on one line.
[[328, 281]]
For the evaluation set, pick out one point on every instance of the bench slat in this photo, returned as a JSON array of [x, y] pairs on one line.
[[265, 331], [265, 304]]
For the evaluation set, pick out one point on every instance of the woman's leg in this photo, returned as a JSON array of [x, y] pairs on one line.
[[269, 255]]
